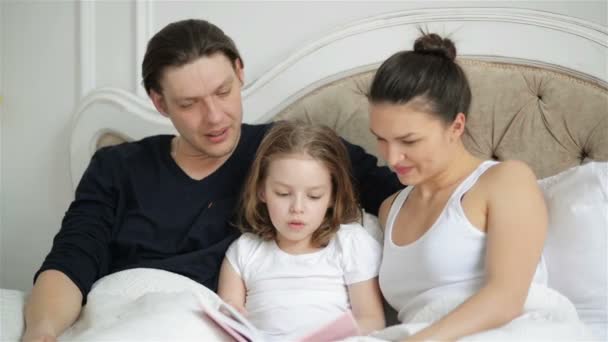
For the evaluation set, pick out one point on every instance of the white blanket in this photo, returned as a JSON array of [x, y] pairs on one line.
[[145, 305], [155, 305], [547, 316]]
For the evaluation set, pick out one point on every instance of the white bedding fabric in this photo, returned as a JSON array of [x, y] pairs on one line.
[[547, 316], [155, 305], [145, 305]]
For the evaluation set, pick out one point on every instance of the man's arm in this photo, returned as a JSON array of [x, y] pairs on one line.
[[374, 183], [52, 307], [80, 254]]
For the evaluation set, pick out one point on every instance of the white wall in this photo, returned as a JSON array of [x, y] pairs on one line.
[[51, 53]]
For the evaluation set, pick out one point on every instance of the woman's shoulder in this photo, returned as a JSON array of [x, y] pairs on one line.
[[506, 173], [508, 179], [385, 208]]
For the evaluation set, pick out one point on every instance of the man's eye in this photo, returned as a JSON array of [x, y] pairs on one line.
[[223, 93], [185, 105], [409, 142]]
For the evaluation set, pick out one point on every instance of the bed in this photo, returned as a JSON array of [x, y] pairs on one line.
[[531, 103]]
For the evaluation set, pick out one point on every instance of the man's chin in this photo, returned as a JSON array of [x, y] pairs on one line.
[[218, 151]]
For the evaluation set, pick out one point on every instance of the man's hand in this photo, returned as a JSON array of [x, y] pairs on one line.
[[38, 337]]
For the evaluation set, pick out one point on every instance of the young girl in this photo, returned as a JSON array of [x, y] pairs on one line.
[[302, 260]]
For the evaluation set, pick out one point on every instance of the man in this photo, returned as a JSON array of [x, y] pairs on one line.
[[166, 202]]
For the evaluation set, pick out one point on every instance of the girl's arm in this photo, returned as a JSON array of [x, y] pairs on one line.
[[231, 287], [366, 302], [516, 229]]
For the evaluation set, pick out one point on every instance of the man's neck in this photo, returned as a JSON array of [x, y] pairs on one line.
[[196, 165]]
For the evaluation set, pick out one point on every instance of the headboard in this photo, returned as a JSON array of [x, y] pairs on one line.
[[532, 101]]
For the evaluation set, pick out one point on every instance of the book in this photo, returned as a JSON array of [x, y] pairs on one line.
[[240, 329]]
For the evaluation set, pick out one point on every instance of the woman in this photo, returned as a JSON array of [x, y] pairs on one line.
[[463, 227]]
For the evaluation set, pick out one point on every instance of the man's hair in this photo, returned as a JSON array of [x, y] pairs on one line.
[[183, 42], [320, 143]]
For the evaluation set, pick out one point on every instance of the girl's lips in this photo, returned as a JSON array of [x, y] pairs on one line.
[[295, 224]]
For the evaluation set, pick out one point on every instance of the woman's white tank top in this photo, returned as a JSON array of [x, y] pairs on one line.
[[448, 259]]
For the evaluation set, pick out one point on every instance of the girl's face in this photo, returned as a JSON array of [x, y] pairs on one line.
[[297, 191], [415, 144]]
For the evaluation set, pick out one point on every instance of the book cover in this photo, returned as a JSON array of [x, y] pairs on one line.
[[241, 330]]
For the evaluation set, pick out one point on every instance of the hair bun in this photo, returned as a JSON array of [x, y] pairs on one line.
[[433, 44]]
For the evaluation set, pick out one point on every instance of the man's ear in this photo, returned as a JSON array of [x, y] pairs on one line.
[[159, 102], [238, 68]]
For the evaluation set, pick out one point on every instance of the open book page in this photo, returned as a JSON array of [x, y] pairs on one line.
[[233, 323], [241, 329]]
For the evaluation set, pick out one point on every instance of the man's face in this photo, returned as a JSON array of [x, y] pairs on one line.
[[203, 100]]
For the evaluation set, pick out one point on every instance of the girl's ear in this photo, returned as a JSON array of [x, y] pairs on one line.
[[262, 195]]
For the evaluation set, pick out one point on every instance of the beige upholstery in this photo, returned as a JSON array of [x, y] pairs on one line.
[[548, 119]]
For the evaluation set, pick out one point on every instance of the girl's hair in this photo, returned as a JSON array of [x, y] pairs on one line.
[[320, 143], [428, 76]]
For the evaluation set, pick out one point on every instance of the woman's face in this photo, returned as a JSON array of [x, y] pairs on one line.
[[416, 144]]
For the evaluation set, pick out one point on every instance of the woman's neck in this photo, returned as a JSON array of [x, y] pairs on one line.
[[456, 170]]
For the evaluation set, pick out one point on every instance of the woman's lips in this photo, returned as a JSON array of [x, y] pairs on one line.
[[403, 170]]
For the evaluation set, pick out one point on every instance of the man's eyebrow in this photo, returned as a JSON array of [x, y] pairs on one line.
[[226, 83]]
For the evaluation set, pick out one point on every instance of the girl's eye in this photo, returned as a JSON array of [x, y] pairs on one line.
[[282, 194], [314, 197]]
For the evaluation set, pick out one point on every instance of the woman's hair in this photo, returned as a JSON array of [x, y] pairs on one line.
[[183, 42], [427, 77], [320, 143]]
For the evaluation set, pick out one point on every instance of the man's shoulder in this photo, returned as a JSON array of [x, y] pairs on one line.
[[250, 131], [149, 144]]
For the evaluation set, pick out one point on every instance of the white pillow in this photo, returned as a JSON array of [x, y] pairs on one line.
[[576, 247]]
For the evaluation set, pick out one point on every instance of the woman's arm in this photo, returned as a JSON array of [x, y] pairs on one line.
[[516, 229], [231, 287], [366, 302], [53, 306]]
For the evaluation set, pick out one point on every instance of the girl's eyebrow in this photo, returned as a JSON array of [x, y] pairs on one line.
[[289, 186]]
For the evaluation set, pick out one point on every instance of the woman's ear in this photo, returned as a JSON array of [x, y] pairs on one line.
[[458, 124]]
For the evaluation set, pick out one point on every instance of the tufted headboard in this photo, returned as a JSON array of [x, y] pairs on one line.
[[549, 119], [536, 102]]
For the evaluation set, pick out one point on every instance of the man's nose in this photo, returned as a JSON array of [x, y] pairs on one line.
[[213, 113]]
